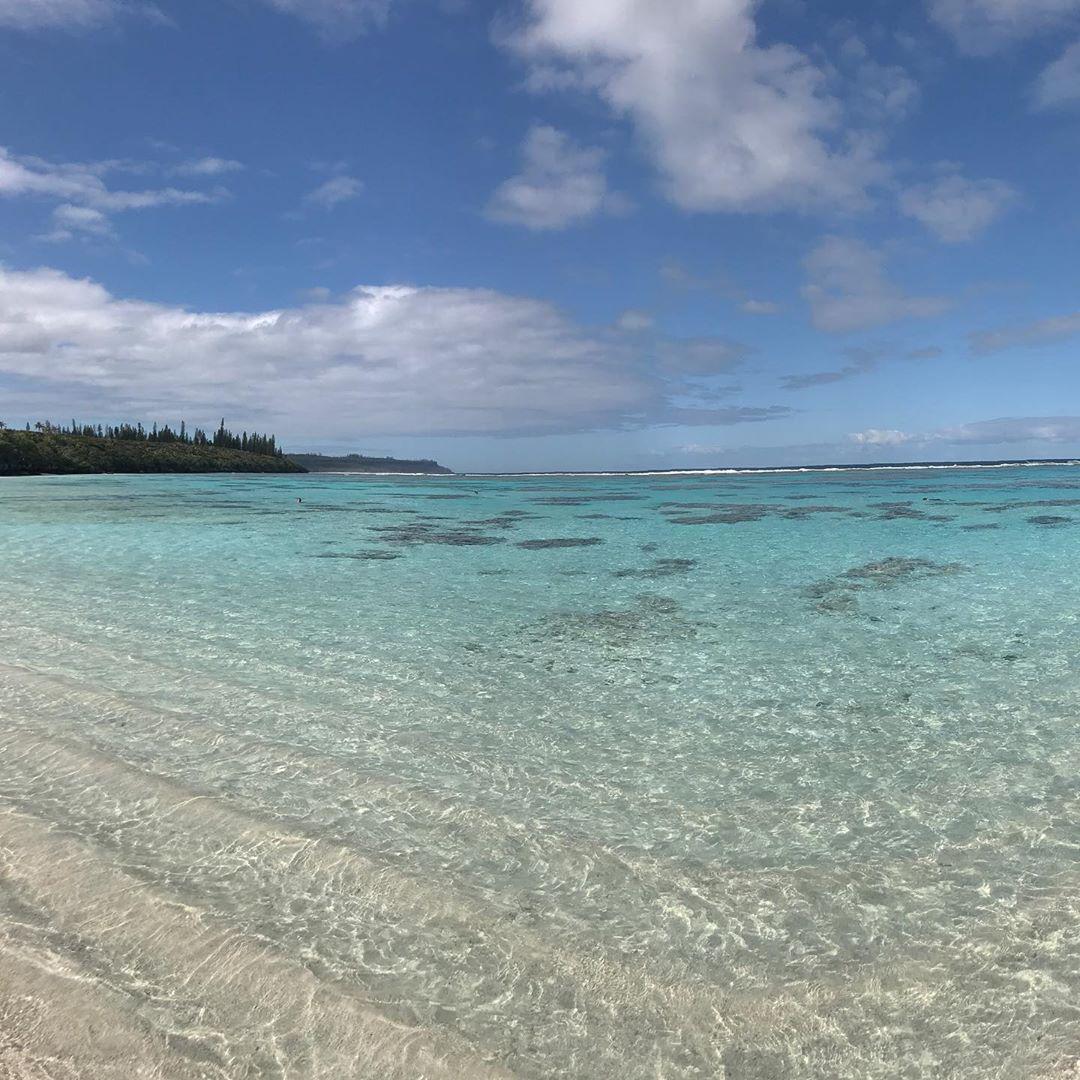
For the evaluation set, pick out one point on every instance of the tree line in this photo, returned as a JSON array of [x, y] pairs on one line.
[[251, 442]]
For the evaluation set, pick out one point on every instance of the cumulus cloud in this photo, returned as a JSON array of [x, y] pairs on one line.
[[334, 192], [848, 289], [1059, 83], [1042, 332], [1002, 431], [383, 360], [956, 209], [731, 124], [883, 437], [981, 27], [560, 184]]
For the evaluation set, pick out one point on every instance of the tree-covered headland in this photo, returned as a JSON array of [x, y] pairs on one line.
[[46, 447]]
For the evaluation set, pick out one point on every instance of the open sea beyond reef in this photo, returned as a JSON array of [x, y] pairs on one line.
[[748, 776]]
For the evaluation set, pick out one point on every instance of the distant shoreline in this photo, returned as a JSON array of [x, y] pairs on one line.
[[363, 464], [760, 469]]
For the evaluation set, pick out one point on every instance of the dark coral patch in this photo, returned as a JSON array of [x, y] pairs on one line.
[[396, 510], [584, 500], [893, 511], [838, 595], [896, 570], [560, 542], [798, 513], [371, 555], [732, 515], [419, 533], [649, 618], [737, 513], [661, 568], [496, 523]]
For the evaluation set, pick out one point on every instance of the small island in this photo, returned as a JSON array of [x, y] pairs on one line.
[[131, 448], [360, 463]]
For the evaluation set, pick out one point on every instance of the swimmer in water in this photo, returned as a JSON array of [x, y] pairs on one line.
[[299, 500]]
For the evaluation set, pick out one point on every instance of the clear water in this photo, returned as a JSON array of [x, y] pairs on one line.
[[779, 778]]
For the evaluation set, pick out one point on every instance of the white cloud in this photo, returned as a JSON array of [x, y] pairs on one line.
[[1043, 332], [383, 360], [1059, 83], [70, 14], [883, 437], [70, 222], [1013, 429], [1002, 431], [337, 19], [561, 184], [82, 184], [884, 91], [42, 14], [730, 124], [335, 191], [146, 200], [981, 27], [674, 273], [759, 307], [32, 176], [208, 166], [83, 196], [848, 289], [634, 321], [956, 209]]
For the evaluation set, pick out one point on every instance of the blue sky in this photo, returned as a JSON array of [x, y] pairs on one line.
[[548, 233]]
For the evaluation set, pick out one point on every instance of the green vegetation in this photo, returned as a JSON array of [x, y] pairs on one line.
[[360, 464], [222, 438], [131, 448]]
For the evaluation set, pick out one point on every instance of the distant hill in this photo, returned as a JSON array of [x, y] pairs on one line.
[[31, 453], [359, 463]]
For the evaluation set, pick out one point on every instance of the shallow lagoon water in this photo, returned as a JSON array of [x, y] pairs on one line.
[[752, 776]]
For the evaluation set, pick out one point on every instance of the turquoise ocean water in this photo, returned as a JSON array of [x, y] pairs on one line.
[[746, 776]]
